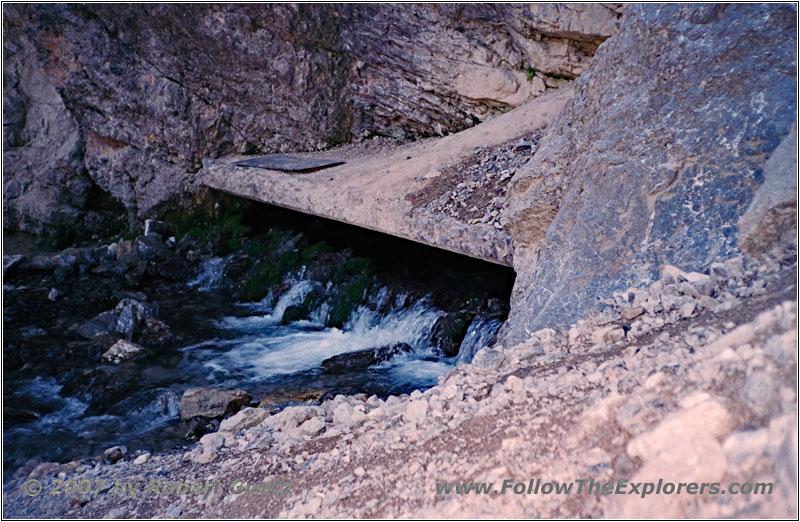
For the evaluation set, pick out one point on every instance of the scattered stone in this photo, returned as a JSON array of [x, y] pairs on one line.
[[487, 359], [141, 459], [416, 412], [312, 426]]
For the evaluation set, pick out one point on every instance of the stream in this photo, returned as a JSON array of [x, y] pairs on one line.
[[233, 344]]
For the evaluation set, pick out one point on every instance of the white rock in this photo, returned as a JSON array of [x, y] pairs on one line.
[[141, 459], [416, 411], [611, 333], [343, 414], [515, 385], [246, 418], [122, 350], [312, 426]]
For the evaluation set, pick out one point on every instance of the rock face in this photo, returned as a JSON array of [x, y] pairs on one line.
[[655, 159], [771, 219], [126, 100]]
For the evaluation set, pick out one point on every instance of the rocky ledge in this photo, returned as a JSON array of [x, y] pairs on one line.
[[689, 380], [404, 199]]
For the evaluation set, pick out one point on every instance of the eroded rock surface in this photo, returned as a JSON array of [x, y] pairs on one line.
[[127, 100], [653, 161]]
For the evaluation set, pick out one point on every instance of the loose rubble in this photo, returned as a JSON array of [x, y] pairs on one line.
[[474, 190], [643, 388]]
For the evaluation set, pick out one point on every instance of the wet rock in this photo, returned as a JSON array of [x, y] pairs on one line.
[[449, 331], [294, 313], [150, 248], [11, 262], [246, 418], [130, 320], [18, 416], [361, 360], [123, 351], [105, 385], [210, 403], [173, 269], [156, 334], [101, 324]]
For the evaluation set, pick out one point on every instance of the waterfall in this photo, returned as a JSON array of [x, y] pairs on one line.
[[479, 334], [210, 273], [296, 295]]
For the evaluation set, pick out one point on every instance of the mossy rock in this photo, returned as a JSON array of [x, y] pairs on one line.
[[294, 313], [315, 251], [449, 331], [346, 298]]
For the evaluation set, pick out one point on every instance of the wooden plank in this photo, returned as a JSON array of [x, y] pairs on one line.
[[289, 163]]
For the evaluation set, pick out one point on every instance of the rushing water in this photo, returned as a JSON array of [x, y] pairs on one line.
[[241, 345]]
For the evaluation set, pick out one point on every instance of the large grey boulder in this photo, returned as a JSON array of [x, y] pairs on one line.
[[771, 218], [655, 159]]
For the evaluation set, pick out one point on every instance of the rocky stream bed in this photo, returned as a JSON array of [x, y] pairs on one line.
[[147, 343]]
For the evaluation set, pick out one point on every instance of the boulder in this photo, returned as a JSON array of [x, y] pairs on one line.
[[294, 313], [130, 320], [156, 334], [246, 418], [115, 454], [771, 218], [648, 164], [362, 359], [105, 385], [210, 403], [101, 324], [151, 247], [160, 228], [132, 316]]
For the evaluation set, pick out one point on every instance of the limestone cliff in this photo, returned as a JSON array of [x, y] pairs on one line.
[[128, 99], [655, 159]]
